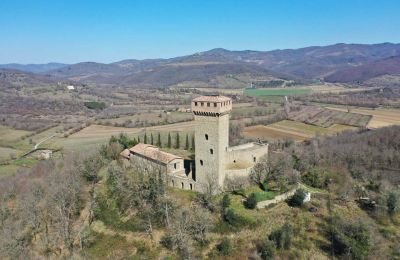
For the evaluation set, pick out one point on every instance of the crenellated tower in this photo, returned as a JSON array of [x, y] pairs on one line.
[[211, 114]]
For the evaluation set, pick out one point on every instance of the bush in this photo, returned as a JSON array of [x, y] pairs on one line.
[[393, 203], [233, 219], [167, 242], [251, 201], [95, 105], [297, 200], [267, 249], [282, 236], [225, 202], [225, 247], [350, 239]]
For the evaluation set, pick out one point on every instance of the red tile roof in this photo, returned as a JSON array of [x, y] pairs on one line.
[[211, 99], [153, 152]]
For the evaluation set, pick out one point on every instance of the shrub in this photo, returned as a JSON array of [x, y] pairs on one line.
[[251, 201], [267, 249], [234, 219], [167, 242], [95, 105], [225, 247], [393, 203], [350, 239], [297, 199], [282, 236], [225, 202]]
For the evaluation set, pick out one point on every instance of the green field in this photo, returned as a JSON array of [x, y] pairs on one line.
[[262, 92]]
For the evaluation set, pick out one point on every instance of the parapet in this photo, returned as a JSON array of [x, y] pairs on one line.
[[211, 105]]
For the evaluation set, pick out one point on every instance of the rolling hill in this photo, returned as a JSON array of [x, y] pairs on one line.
[[337, 63], [388, 66]]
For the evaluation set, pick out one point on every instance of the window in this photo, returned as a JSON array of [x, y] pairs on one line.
[[234, 161], [211, 151], [174, 165], [201, 162], [191, 186], [182, 185], [208, 104], [254, 159], [215, 104], [173, 184], [195, 103], [206, 136], [202, 104]]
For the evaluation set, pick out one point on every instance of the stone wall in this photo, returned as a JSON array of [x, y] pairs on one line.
[[277, 199]]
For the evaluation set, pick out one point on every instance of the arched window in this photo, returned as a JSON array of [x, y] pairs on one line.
[[206, 136], [211, 151]]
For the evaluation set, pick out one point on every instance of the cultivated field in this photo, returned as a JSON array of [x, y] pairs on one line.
[[287, 129], [261, 92], [381, 117]]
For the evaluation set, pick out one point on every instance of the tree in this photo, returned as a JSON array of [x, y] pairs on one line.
[[225, 202], [297, 200], [251, 201], [159, 140], [267, 249], [351, 240], [282, 236], [169, 141], [225, 247], [393, 203], [177, 143], [187, 142], [193, 143], [145, 138], [151, 139]]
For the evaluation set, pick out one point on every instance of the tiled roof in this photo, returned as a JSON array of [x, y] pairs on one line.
[[125, 153], [211, 99], [153, 152]]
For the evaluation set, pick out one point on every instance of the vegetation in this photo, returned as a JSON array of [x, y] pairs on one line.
[[95, 105]]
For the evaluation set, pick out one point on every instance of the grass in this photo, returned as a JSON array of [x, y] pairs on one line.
[[261, 92], [265, 195], [9, 134]]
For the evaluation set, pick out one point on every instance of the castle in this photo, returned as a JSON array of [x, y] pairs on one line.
[[215, 162]]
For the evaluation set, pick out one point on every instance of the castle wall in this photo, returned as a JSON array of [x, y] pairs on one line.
[[246, 155]]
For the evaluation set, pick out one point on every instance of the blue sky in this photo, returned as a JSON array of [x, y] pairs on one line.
[[105, 31]]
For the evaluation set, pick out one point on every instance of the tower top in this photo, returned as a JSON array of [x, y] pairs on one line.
[[211, 105]]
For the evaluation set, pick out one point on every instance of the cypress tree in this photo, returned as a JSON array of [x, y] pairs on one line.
[[159, 140], [187, 142], [145, 138], [138, 139], [169, 140], [151, 139], [177, 144], [193, 143]]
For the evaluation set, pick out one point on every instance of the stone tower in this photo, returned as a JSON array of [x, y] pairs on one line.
[[211, 114]]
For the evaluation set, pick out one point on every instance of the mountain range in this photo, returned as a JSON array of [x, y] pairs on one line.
[[347, 63]]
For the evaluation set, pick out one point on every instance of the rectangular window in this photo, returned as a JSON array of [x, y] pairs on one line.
[[174, 165], [202, 104], [215, 104], [208, 104], [195, 104]]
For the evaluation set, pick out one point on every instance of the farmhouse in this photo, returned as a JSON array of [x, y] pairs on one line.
[[216, 163]]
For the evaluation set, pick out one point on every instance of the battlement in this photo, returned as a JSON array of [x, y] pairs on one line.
[[211, 105]]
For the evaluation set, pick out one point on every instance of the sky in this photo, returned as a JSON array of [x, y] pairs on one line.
[[71, 31]]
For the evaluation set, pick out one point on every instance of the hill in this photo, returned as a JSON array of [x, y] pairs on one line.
[[34, 68], [334, 63], [387, 66], [13, 79]]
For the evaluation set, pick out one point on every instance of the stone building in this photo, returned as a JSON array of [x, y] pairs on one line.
[[215, 162]]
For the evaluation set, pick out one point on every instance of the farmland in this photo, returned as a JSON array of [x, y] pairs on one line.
[[262, 92], [287, 129], [381, 117]]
